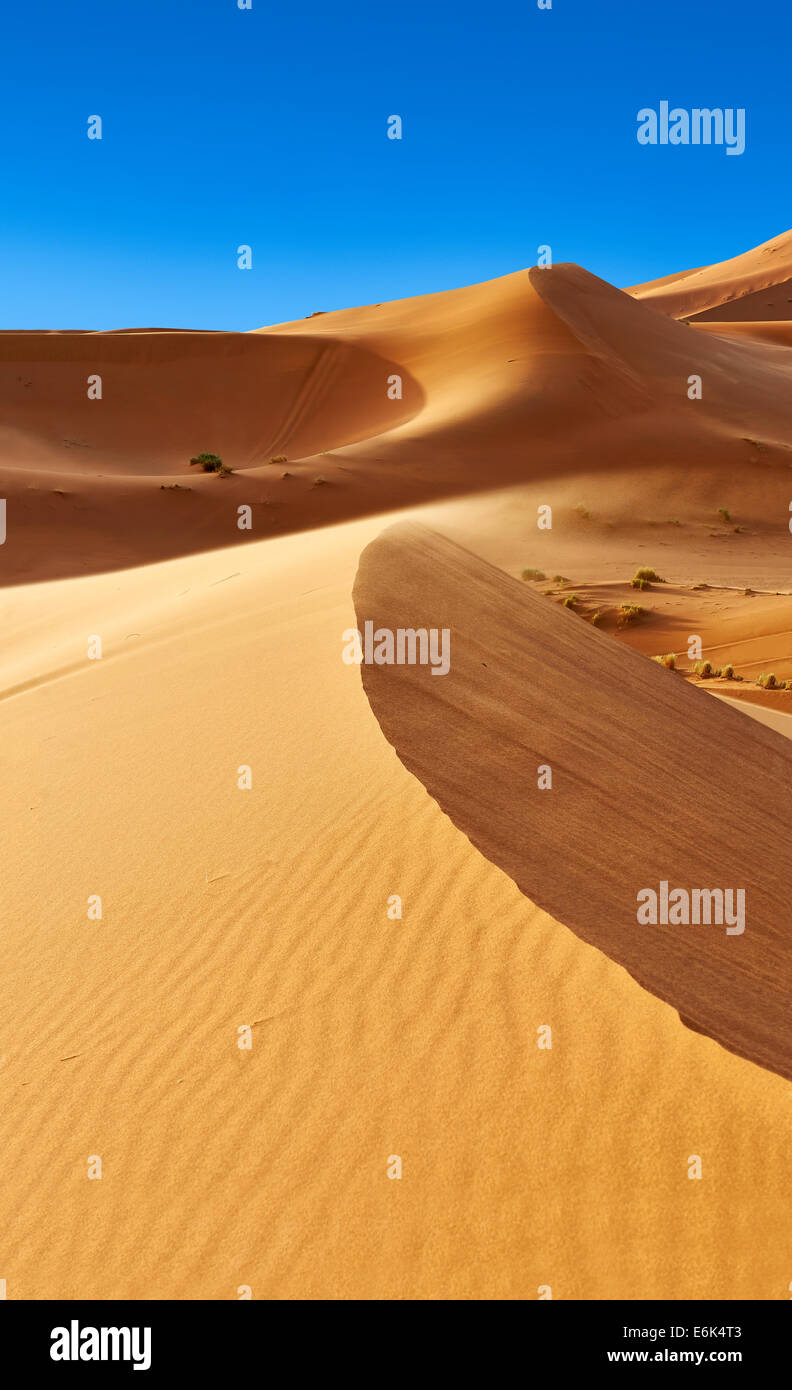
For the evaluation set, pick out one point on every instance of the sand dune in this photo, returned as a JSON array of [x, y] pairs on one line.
[[168, 395], [766, 332], [267, 907], [371, 1036], [754, 285], [522, 379], [530, 686]]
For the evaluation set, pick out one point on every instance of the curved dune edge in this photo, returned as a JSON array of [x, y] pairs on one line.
[[652, 781]]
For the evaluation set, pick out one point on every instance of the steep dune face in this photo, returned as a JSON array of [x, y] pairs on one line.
[[660, 354], [637, 759], [754, 285]]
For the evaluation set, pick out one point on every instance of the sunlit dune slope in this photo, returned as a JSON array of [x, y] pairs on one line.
[[372, 1036], [754, 285]]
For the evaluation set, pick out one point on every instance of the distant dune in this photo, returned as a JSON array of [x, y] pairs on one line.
[[754, 285], [532, 377]]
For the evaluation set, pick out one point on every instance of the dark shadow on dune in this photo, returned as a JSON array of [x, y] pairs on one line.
[[652, 781]]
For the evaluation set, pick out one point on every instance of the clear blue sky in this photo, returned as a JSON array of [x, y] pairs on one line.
[[268, 127]]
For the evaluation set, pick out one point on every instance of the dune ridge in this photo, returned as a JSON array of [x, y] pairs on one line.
[[530, 685]]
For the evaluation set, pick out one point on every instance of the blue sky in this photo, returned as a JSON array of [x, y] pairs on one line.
[[268, 127]]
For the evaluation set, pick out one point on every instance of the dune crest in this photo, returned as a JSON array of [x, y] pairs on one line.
[[532, 686]]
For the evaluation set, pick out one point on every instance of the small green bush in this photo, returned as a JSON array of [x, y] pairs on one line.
[[210, 463], [533, 574]]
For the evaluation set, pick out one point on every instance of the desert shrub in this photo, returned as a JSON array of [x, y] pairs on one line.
[[767, 681], [582, 510], [704, 670], [668, 660], [724, 513], [533, 574], [279, 458], [560, 579], [571, 600], [646, 572], [210, 463], [631, 612], [726, 673]]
